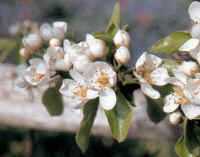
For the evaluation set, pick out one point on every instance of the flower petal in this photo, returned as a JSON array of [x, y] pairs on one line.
[[170, 103], [141, 61], [149, 91], [67, 87], [190, 45], [180, 76], [191, 111], [195, 31], [160, 76], [107, 98]]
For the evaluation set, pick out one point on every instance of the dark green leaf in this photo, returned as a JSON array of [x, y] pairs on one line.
[[114, 23], [181, 148], [171, 43], [191, 133], [52, 100], [119, 118], [155, 110], [89, 113]]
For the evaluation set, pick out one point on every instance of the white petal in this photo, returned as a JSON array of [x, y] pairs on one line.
[[91, 94], [191, 111], [176, 82], [194, 11], [141, 60], [170, 104], [160, 76], [67, 87], [190, 45], [188, 67], [180, 76], [153, 61], [107, 99], [195, 31], [73, 102], [76, 75], [89, 38], [149, 91]]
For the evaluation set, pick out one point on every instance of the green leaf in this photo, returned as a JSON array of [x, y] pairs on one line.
[[192, 135], [6, 47], [155, 110], [171, 43], [114, 23], [181, 148], [52, 100], [120, 117], [104, 37], [89, 113], [100, 32]]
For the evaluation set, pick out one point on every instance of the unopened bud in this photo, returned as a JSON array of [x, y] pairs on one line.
[[46, 32], [175, 118], [24, 52], [122, 38], [61, 25], [32, 41], [122, 55], [54, 42], [97, 46]]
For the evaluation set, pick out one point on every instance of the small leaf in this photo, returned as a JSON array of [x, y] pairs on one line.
[[155, 110], [104, 37], [120, 118], [171, 43], [100, 32], [181, 149], [89, 114], [52, 100], [114, 23]]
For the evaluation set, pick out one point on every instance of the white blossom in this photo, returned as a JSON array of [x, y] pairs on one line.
[[101, 77], [186, 95], [149, 72], [175, 118], [37, 73]]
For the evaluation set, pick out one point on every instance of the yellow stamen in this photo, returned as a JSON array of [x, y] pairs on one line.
[[82, 93], [182, 99], [38, 77], [103, 80]]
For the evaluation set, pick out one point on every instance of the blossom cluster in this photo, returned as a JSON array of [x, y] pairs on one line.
[[90, 76], [184, 79]]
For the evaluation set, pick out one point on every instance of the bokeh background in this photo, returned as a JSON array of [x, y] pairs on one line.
[[149, 21]]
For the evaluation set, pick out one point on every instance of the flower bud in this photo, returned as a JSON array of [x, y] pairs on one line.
[[97, 46], [54, 42], [195, 31], [189, 68], [175, 118], [46, 32], [32, 41], [122, 38], [122, 55], [61, 25], [24, 52]]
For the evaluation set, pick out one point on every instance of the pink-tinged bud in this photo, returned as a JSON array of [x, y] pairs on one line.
[[25, 53], [122, 55], [122, 38], [54, 42], [32, 41], [175, 118]]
